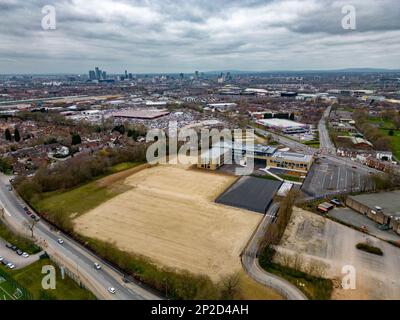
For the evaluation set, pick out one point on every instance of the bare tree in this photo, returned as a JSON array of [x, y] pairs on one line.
[[31, 226], [230, 286]]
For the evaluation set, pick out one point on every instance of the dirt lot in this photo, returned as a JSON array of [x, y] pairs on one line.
[[332, 246], [169, 216]]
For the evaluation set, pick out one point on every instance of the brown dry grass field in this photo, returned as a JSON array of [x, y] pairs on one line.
[[169, 216]]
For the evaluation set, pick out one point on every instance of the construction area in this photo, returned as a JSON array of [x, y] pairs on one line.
[[169, 216], [326, 246]]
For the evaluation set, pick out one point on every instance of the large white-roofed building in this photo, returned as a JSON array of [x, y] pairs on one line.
[[284, 125]]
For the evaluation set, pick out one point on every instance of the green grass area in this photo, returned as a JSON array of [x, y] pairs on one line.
[[395, 144], [290, 178], [30, 279], [313, 144], [79, 200], [123, 166], [315, 288], [22, 243], [370, 249], [383, 123], [266, 176]]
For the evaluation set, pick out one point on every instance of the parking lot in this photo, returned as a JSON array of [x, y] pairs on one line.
[[326, 178], [11, 256]]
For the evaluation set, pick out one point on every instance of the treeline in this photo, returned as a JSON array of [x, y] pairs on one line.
[[380, 141], [277, 229], [76, 171], [176, 285]]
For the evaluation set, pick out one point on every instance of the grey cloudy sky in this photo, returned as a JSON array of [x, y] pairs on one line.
[[185, 35]]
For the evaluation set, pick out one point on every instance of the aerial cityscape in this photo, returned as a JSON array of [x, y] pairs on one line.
[[198, 150]]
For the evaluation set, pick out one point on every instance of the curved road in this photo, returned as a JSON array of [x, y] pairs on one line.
[[71, 254], [253, 269]]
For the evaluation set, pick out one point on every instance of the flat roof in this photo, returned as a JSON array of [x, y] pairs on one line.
[[250, 193], [388, 201], [293, 156], [141, 114], [213, 153], [282, 123]]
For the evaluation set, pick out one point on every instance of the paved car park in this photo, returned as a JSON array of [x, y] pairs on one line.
[[326, 177], [9, 255]]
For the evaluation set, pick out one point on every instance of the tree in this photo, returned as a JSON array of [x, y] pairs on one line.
[[31, 226], [230, 287], [17, 136], [8, 135], [391, 133], [76, 139]]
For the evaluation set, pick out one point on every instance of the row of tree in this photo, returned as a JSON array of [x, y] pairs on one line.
[[380, 141], [9, 137], [76, 171]]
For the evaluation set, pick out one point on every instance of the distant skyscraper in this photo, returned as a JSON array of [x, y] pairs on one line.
[[130, 76], [104, 75], [196, 75], [98, 73], [92, 75], [182, 76], [126, 74]]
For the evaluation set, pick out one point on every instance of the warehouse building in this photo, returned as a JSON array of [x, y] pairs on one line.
[[383, 208], [284, 126]]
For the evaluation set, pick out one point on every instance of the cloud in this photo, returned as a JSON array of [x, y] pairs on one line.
[[177, 35]]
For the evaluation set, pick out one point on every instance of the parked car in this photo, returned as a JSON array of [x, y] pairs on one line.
[[14, 248], [9, 245], [28, 212], [10, 265], [112, 290], [19, 252], [33, 217], [37, 219], [60, 241], [1, 259], [25, 255], [5, 262], [336, 202], [26, 209]]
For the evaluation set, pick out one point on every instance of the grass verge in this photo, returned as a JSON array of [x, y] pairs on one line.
[[370, 249]]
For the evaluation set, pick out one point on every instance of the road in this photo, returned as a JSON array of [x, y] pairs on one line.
[[292, 144], [326, 145], [77, 258], [253, 269]]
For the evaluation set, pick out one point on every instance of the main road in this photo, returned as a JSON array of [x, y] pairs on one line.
[[71, 254], [252, 267]]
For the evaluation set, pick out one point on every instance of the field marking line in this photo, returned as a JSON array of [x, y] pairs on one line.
[[7, 293]]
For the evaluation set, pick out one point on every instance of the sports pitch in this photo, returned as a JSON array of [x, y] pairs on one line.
[[169, 215]]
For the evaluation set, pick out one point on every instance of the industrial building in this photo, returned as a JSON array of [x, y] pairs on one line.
[[383, 208], [141, 114], [293, 163], [285, 126]]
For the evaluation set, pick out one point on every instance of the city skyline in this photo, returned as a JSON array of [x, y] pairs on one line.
[[183, 36]]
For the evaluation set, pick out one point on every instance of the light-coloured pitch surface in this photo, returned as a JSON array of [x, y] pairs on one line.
[[169, 216]]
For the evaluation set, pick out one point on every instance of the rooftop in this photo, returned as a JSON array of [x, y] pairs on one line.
[[281, 123], [388, 201], [291, 156]]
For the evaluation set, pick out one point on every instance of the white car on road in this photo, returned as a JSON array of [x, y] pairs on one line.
[[60, 241], [97, 266], [112, 290], [25, 255]]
